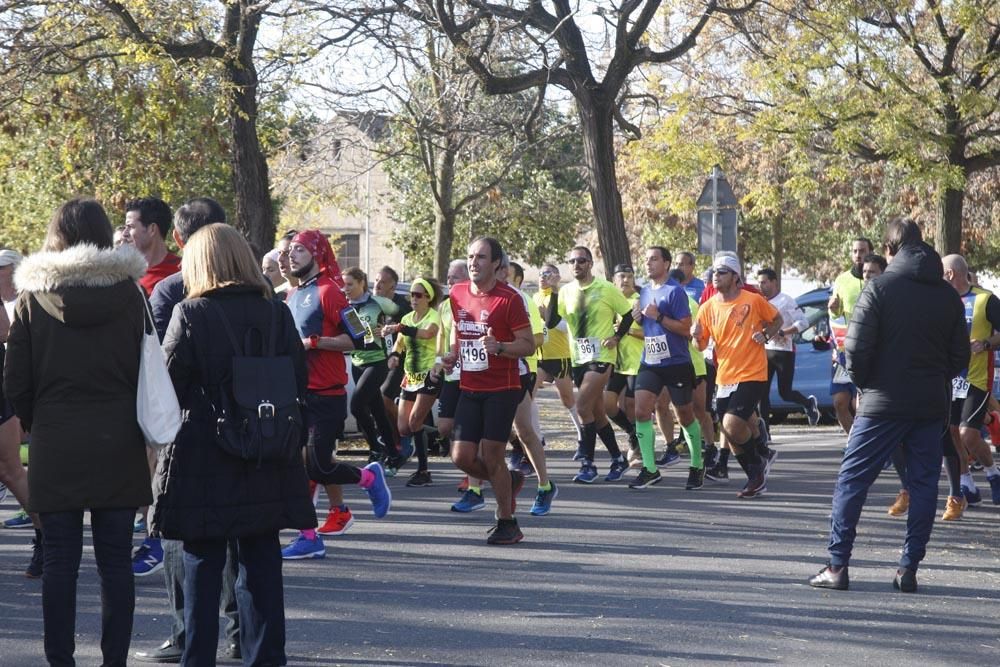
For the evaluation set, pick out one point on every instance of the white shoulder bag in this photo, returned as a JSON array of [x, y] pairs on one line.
[[156, 405]]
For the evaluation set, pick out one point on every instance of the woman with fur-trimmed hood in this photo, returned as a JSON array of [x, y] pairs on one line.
[[71, 377]]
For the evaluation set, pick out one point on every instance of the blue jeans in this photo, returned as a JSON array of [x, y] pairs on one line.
[[259, 595], [870, 444], [173, 573], [62, 536]]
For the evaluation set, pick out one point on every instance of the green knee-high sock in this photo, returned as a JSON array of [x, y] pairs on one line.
[[692, 434], [647, 444]]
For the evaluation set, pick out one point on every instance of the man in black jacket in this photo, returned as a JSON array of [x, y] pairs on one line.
[[907, 339]]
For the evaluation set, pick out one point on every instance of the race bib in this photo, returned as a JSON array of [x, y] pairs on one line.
[[840, 375], [656, 349], [725, 390], [587, 349], [474, 357], [959, 388]]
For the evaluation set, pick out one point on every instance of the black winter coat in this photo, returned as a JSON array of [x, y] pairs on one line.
[[907, 339], [201, 492], [71, 374]]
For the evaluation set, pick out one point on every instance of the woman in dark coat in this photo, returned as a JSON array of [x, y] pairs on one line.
[[203, 495], [71, 375]]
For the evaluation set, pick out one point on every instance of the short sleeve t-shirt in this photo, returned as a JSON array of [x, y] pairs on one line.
[[500, 309], [732, 324], [590, 315], [170, 265], [630, 347], [316, 306], [420, 352], [662, 347], [556, 344]]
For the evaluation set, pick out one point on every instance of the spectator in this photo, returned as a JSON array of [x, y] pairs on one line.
[[205, 496], [147, 222], [72, 377]]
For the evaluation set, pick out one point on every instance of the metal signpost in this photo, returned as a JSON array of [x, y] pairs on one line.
[[718, 215]]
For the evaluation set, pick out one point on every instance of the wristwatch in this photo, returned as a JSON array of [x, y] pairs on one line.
[[313, 342]]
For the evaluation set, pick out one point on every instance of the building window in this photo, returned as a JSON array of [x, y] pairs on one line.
[[348, 248]]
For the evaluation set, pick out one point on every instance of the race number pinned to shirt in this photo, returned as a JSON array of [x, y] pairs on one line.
[[725, 390], [959, 388], [474, 356], [656, 349], [587, 349]]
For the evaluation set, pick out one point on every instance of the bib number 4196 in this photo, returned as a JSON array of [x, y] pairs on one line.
[[474, 356]]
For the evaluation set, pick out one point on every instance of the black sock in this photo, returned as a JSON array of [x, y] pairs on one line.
[[608, 438], [761, 449], [954, 472], [589, 440], [623, 423], [724, 457], [420, 445]]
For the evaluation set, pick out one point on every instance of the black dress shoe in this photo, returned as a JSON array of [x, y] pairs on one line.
[[233, 651], [168, 652], [905, 581], [827, 578]]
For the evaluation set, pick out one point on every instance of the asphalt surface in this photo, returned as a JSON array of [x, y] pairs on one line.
[[613, 576]]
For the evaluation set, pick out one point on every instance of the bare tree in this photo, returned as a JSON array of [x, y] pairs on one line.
[[562, 56]]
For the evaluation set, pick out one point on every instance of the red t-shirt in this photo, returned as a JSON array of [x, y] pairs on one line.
[[170, 265], [501, 309]]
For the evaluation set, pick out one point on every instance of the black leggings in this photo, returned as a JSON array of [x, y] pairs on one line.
[[368, 408], [324, 417], [782, 363]]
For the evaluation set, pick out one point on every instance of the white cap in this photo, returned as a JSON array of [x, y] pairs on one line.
[[10, 257], [727, 263]]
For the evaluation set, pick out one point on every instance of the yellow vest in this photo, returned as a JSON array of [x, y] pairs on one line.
[[980, 328]]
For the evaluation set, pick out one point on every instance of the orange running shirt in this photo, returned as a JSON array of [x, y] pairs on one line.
[[731, 324]]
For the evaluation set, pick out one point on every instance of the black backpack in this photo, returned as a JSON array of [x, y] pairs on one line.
[[265, 422]]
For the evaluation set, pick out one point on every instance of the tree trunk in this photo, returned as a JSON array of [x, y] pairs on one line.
[[596, 120], [444, 212], [778, 245], [948, 238], [254, 214]]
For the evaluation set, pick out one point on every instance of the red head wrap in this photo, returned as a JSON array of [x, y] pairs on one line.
[[318, 246]]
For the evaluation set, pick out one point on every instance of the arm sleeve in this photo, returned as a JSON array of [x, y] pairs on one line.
[[624, 325], [555, 313], [862, 336], [18, 376]]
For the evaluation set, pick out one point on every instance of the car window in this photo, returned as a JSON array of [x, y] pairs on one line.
[[818, 325]]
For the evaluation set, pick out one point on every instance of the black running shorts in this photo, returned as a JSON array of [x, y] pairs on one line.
[[971, 410], [593, 367], [677, 378], [743, 401], [556, 368], [620, 382], [448, 400], [485, 415]]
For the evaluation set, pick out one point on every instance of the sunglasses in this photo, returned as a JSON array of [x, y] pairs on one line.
[[417, 295], [725, 272], [578, 260], [546, 274]]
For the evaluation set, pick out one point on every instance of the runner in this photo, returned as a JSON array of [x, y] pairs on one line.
[[971, 389], [369, 366], [416, 338], [846, 290], [491, 332], [554, 365], [740, 323], [589, 306], [692, 284], [316, 304], [619, 395], [385, 286], [781, 349], [665, 315]]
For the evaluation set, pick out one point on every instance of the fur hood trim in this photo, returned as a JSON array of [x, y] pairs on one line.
[[83, 265]]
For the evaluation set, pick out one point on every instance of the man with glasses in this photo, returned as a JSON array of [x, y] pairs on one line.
[[589, 305], [740, 323]]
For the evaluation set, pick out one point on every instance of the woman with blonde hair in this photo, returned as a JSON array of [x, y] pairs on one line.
[[71, 376], [205, 495]]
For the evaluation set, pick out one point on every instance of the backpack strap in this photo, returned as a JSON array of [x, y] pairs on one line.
[[237, 350]]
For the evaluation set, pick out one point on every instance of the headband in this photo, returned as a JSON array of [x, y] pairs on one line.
[[427, 288]]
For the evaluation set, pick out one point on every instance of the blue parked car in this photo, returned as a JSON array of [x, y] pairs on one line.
[[812, 359]]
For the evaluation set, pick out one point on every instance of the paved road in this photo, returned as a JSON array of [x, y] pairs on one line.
[[611, 577]]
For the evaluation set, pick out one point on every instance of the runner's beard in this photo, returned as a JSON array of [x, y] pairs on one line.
[[304, 271]]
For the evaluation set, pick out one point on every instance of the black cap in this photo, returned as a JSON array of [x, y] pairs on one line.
[[623, 268]]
